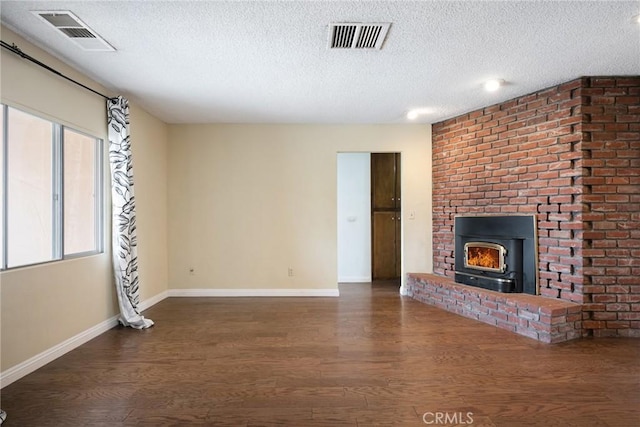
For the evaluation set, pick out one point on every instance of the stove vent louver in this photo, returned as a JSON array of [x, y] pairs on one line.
[[354, 35], [74, 29]]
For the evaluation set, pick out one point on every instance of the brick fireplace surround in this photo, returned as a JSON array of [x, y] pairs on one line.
[[570, 155]]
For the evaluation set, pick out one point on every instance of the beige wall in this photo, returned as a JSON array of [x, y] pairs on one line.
[[44, 305], [238, 203], [150, 153], [250, 201]]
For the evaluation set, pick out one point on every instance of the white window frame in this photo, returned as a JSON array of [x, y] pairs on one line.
[[57, 202]]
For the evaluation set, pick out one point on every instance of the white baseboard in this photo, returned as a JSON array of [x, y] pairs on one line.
[[150, 302], [254, 292], [354, 279], [39, 360]]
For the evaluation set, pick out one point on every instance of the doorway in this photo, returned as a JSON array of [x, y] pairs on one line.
[[369, 227]]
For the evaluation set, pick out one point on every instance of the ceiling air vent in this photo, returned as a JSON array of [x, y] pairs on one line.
[[74, 29], [353, 35]]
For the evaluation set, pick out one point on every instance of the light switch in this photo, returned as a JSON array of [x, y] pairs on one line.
[[412, 214]]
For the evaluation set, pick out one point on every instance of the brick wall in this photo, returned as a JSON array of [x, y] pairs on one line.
[[569, 155], [522, 156], [611, 162]]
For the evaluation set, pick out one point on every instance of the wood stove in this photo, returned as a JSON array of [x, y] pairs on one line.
[[497, 252], [485, 256]]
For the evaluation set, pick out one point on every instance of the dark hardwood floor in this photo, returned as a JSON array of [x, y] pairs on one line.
[[369, 357]]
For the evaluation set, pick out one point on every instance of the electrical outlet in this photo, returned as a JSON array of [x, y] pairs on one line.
[[290, 272]]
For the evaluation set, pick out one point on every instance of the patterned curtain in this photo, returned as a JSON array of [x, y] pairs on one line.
[[124, 244]]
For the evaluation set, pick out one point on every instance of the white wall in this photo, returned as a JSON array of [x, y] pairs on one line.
[[354, 217], [247, 202], [45, 305]]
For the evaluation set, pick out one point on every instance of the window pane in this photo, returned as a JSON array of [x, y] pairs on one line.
[[79, 193], [29, 189]]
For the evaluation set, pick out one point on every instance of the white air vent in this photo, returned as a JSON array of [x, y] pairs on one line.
[[354, 35], [74, 29]]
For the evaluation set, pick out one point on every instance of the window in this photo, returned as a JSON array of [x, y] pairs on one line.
[[29, 189], [51, 191], [80, 187]]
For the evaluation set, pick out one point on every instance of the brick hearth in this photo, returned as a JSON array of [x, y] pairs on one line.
[[549, 320], [570, 155]]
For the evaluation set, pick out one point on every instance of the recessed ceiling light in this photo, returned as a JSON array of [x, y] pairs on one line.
[[416, 112], [493, 84], [637, 19]]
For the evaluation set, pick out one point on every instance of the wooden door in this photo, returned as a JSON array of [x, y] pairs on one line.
[[383, 181], [386, 214], [397, 180], [385, 257], [398, 246]]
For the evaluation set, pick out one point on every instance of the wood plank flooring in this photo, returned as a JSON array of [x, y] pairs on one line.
[[367, 358]]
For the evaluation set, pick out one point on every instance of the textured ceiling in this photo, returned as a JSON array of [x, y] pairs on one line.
[[268, 62]]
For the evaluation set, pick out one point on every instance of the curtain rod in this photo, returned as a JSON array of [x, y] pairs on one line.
[[15, 49]]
